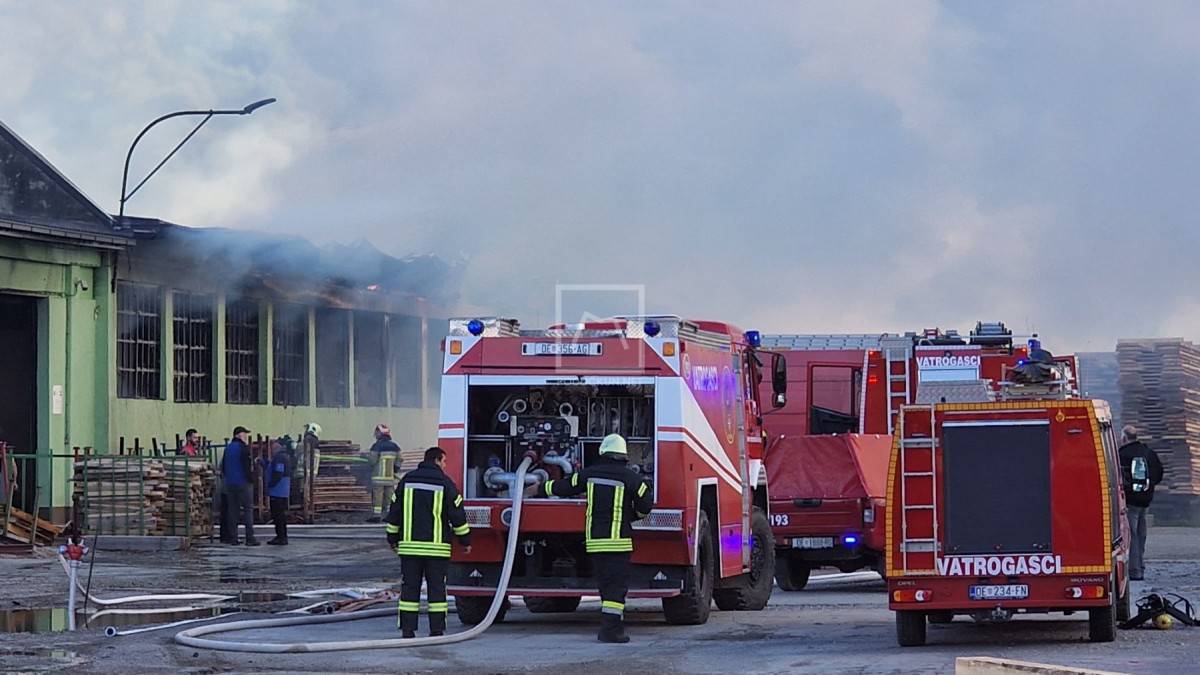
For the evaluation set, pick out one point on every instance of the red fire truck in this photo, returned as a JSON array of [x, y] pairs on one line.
[[684, 394], [1008, 505], [827, 496]]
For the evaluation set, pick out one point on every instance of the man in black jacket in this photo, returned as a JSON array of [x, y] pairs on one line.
[[616, 497], [426, 510], [1141, 470]]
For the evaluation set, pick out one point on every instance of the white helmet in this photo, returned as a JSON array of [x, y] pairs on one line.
[[313, 428]]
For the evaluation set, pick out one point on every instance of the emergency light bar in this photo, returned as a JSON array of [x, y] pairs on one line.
[[485, 327]]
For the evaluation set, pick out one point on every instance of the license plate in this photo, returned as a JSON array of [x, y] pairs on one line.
[[1000, 592], [813, 542], [562, 349]]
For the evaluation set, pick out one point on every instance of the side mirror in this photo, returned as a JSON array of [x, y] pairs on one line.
[[778, 380]]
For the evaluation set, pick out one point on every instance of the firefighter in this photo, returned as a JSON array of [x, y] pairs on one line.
[[426, 509], [385, 456], [616, 497]]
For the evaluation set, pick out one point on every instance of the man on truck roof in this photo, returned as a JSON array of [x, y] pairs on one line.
[[1141, 470]]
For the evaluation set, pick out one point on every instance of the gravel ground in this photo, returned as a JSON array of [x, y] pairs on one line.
[[834, 626]]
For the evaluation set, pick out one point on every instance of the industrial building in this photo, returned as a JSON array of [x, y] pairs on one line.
[[115, 330]]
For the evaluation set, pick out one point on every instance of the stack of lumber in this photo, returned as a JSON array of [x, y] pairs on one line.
[[121, 495], [145, 496], [20, 527], [1160, 390], [409, 459], [342, 482], [188, 506]]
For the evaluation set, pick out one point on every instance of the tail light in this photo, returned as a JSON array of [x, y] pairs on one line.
[[868, 515], [1086, 592], [912, 595]]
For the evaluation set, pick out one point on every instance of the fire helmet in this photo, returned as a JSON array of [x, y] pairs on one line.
[[382, 430], [313, 428], [614, 444], [1163, 621]]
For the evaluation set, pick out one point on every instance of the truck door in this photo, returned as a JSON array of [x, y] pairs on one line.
[[737, 401]]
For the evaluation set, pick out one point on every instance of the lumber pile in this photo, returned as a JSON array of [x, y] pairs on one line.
[[19, 527], [1160, 390], [342, 482], [144, 496]]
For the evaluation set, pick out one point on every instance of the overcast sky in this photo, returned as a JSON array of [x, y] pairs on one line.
[[797, 167]]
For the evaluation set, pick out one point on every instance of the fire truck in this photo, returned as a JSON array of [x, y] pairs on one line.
[[684, 394], [827, 494], [1007, 505]]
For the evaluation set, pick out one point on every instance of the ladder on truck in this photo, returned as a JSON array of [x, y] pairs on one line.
[[897, 351], [918, 507]]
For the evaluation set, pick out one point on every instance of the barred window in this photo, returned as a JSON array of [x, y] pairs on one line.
[[370, 360], [404, 360], [241, 351], [290, 344], [333, 358], [139, 341], [193, 338]]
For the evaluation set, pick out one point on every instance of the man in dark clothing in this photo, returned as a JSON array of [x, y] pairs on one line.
[[237, 471], [279, 487], [1141, 470], [426, 510], [385, 461], [616, 497]]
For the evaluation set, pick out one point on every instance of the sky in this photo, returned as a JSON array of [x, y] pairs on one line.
[[799, 167]]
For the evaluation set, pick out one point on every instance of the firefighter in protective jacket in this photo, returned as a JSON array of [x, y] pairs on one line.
[[616, 497], [426, 511]]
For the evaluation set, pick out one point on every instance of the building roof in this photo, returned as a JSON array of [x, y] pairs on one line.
[[38, 201]]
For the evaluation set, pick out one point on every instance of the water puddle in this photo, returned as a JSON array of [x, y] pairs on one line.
[[61, 654]]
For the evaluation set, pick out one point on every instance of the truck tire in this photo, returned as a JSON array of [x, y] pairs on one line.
[[910, 629], [691, 607], [1124, 606], [1102, 624], [791, 574], [471, 609], [552, 605], [753, 589]]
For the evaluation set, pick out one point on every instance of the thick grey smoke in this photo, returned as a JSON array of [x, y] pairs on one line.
[[822, 167]]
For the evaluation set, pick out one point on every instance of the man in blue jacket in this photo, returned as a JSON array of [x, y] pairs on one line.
[[237, 472], [279, 487]]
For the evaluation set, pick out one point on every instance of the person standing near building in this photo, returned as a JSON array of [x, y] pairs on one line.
[[191, 443], [426, 510], [616, 496], [1141, 470], [237, 471], [279, 487], [385, 461]]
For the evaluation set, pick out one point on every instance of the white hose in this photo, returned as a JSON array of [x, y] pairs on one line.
[[142, 598], [111, 631], [192, 636]]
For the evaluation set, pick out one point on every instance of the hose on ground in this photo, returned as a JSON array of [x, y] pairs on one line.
[[192, 637], [142, 598]]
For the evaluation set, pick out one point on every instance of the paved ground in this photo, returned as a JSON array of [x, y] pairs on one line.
[[839, 626]]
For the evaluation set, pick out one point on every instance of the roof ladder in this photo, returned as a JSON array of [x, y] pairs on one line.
[[918, 463], [897, 355]]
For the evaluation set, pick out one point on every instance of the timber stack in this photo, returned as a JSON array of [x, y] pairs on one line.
[[342, 482], [1160, 388], [144, 496]]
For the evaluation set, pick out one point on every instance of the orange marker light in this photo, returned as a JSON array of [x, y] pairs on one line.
[[668, 349], [456, 347]]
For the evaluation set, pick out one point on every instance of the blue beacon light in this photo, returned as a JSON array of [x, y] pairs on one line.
[[850, 539], [754, 338], [652, 328], [475, 327]]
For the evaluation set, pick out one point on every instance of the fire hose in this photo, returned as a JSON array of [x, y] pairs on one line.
[[193, 636]]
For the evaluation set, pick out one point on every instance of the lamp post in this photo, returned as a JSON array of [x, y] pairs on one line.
[[207, 114]]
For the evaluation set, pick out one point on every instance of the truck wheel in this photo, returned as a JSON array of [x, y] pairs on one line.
[[552, 605], [471, 609], [1124, 609], [791, 574], [753, 589], [1102, 624], [910, 629], [940, 617], [691, 607]]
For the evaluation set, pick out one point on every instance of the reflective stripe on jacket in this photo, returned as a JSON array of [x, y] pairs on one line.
[[616, 497], [426, 511]]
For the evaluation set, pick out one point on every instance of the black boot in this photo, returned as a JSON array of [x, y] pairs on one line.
[[612, 629]]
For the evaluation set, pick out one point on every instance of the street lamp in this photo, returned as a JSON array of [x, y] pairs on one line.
[[208, 114]]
